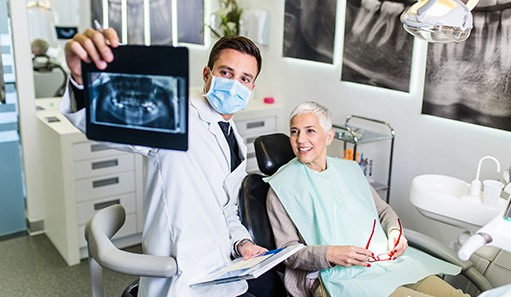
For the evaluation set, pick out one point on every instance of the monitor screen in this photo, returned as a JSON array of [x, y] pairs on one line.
[[65, 33], [141, 98]]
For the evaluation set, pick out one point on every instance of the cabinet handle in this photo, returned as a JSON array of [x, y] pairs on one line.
[[96, 147], [105, 182], [255, 124], [101, 205], [104, 164]]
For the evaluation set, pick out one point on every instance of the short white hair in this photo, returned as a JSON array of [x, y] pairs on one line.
[[322, 113]]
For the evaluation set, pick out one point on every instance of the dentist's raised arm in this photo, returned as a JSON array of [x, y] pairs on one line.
[[90, 46]]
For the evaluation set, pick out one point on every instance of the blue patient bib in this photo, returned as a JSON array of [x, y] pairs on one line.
[[336, 207]]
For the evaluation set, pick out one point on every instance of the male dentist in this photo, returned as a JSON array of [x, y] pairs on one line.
[[190, 199]]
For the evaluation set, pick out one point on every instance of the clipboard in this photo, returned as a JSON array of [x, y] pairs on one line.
[[240, 269]]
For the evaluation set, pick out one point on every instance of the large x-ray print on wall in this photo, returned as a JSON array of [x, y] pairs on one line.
[[377, 50], [309, 30], [160, 19], [190, 19], [471, 81]]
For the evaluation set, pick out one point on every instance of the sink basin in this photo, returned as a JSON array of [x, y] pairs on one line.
[[446, 199]]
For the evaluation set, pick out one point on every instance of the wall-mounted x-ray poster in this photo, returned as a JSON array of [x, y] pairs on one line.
[[471, 81], [377, 50], [190, 16], [160, 19], [309, 29]]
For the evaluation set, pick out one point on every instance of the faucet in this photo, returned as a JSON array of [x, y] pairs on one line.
[[475, 186]]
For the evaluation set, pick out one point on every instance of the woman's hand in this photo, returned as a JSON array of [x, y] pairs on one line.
[[90, 46], [348, 256], [250, 249], [397, 243]]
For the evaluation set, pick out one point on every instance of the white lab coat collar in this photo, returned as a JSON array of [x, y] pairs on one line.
[[207, 114]]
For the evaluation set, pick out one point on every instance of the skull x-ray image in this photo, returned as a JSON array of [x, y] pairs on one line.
[[136, 101]]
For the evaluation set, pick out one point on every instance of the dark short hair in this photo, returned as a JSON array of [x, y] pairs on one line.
[[238, 43]]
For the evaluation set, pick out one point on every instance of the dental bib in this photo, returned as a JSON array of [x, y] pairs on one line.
[[335, 207]]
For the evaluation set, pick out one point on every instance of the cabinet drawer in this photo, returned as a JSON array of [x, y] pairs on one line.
[[85, 210], [129, 228], [257, 126], [90, 150], [102, 166], [105, 186]]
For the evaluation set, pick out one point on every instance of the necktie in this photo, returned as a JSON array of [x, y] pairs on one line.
[[233, 145]]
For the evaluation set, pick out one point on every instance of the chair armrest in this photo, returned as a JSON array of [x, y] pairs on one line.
[[438, 249], [98, 233], [435, 248], [137, 264]]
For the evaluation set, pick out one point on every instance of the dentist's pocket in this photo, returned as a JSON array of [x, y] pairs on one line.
[[197, 258]]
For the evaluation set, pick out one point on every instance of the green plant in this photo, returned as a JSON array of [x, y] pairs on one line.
[[227, 19]]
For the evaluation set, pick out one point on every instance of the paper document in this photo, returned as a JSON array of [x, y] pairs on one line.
[[240, 269]]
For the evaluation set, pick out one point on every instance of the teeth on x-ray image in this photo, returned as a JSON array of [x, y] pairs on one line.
[[149, 102]]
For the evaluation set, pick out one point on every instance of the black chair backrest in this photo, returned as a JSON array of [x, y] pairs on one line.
[[272, 151]]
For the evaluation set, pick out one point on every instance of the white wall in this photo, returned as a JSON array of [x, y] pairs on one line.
[[424, 144]]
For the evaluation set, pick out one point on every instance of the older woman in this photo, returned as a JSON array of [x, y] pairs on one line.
[[354, 241]]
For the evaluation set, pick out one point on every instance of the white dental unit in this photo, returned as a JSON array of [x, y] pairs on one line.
[[485, 215], [458, 203]]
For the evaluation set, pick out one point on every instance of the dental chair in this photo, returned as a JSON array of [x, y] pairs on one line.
[[273, 151], [49, 78]]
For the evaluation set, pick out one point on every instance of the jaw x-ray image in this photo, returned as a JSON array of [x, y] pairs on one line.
[[309, 30], [141, 98], [136, 101], [377, 50], [471, 81]]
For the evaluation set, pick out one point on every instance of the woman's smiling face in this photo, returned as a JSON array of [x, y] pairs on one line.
[[309, 140]]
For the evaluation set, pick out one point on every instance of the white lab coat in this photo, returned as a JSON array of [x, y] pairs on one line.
[[190, 203]]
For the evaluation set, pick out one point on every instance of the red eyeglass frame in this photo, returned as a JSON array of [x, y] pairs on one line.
[[383, 256]]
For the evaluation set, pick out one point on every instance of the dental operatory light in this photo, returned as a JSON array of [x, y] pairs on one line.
[[439, 21]]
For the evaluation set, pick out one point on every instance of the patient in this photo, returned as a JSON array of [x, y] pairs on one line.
[[354, 241]]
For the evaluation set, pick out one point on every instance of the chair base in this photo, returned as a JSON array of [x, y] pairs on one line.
[[131, 290]]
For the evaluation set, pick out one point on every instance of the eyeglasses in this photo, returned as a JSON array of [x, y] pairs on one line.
[[383, 256]]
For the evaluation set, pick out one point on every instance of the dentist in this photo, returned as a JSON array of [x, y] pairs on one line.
[[190, 202]]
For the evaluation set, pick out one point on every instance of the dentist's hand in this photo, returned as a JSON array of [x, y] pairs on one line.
[[90, 46], [348, 256], [249, 250], [397, 244]]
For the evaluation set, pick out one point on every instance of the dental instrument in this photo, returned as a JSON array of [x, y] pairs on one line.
[[495, 233]]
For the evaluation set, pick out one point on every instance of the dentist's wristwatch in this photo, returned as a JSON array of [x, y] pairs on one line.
[[240, 244]]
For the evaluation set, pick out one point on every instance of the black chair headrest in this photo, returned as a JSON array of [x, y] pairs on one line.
[[272, 151]]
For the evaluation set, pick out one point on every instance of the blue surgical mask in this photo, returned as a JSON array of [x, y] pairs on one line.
[[227, 96]]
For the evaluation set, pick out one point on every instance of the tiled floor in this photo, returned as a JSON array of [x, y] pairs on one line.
[[31, 266]]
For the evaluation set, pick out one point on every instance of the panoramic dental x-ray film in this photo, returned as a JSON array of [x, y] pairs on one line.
[[141, 98]]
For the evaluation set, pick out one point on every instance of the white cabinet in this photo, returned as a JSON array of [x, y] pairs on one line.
[[81, 177], [258, 119]]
